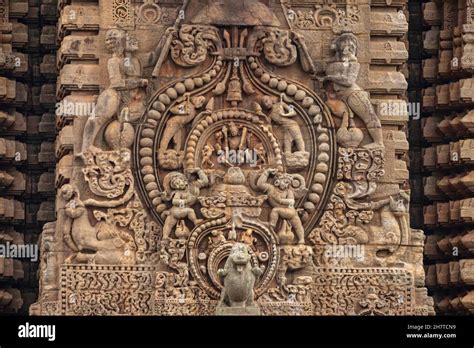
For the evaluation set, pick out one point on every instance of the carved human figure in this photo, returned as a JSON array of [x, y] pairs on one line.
[[91, 243], [281, 114], [342, 74], [239, 278], [185, 113], [219, 138], [125, 89], [207, 153], [217, 237], [182, 195], [282, 197], [49, 261], [235, 137]]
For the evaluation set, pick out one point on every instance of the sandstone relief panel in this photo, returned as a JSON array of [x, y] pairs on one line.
[[235, 163]]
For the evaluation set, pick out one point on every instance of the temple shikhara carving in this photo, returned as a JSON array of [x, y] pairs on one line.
[[235, 161], [237, 157]]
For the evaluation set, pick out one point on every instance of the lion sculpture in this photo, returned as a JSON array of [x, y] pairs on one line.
[[239, 277]]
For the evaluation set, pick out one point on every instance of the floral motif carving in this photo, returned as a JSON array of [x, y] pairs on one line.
[[192, 44], [326, 16]]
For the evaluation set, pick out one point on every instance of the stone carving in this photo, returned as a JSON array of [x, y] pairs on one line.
[[149, 13], [192, 45], [342, 74], [218, 176], [182, 196], [299, 260], [282, 196], [325, 16], [172, 252], [123, 98], [361, 298], [239, 280], [115, 291], [281, 114], [278, 47], [175, 132], [107, 173], [122, 12], [101, 243]]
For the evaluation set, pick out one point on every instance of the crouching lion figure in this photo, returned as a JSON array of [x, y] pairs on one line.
[[237, 297]]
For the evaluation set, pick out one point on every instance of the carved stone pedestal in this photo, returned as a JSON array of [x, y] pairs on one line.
[[244, 311]]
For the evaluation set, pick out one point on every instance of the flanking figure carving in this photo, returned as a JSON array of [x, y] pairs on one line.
[[227, 180], [341, 75], [182, 195]]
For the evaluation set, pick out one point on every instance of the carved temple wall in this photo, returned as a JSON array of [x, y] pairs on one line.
[[27, 132], [442, 169], [203, 141]]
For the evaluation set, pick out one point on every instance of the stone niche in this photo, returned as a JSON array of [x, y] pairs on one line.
[[233, 164]]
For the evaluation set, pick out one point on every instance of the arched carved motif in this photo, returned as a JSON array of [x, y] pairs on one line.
[[232, 161]]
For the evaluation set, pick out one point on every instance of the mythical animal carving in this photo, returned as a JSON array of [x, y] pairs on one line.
[[239, 279], [101, 244], [394, 231]]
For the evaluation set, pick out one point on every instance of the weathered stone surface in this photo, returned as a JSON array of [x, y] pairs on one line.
[[238, 157]]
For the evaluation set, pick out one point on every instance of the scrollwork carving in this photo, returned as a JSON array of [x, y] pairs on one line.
[[277, 46], [108, 173], [192, 44]]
